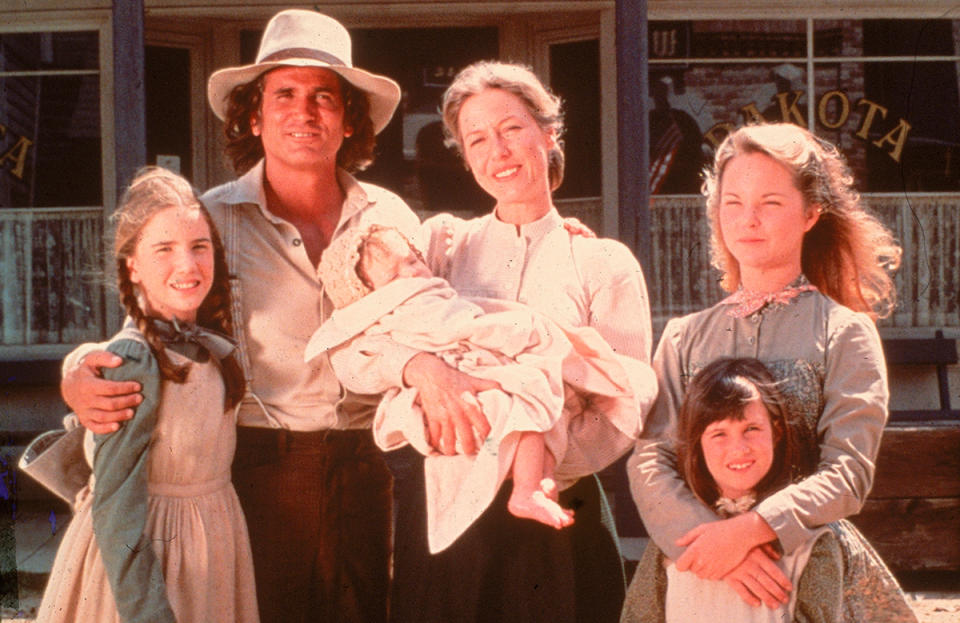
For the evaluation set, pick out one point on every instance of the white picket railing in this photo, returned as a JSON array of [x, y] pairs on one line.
[[52, 289], [51, 284], [681, 280]]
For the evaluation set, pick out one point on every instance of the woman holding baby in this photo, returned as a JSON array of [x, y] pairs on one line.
[[508, 127]]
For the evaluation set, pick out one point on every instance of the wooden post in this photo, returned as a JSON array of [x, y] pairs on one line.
[[633, 139], [129, 100]]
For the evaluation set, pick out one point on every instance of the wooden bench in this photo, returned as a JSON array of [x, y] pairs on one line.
[[912, 515], [938, 352]]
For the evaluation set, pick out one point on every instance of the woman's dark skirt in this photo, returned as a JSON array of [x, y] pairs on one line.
[[503, 568]]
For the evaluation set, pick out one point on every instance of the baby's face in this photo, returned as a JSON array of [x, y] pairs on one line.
[[390, 259]]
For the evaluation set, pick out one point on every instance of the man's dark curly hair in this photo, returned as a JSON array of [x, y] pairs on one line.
[[245, 149]]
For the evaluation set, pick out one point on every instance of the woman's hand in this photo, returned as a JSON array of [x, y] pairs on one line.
[[759, 580], [100, 404], [715, 548], [449, 402]]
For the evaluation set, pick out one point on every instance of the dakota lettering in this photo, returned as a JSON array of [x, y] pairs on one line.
[[16, 154], [843, 103], [790, 112]]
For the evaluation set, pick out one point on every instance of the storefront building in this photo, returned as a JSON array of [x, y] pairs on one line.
[[879, 78]]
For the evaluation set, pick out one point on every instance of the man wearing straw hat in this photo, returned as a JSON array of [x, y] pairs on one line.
[[315, 489]]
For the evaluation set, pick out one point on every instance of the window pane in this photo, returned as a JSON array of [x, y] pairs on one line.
[[167, 88], [727, 39], [575, 77], [898, 122], [694, 106], [887, 37], [411, 157], [48, 50], [50, 141]]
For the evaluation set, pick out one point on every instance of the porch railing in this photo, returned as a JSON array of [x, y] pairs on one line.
[[51, 284], [52, 290], [927, 226]]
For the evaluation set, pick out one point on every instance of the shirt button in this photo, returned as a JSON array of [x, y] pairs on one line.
[[753, 340], [297, 242]]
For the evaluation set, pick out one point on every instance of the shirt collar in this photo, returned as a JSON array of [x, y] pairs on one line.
[[744, 303], [355, 197], [530, 231], [250, 189]]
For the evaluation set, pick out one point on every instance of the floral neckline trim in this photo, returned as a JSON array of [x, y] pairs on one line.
[[745, 303], [727, 507]]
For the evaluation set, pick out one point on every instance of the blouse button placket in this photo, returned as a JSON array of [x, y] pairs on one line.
[[756, 320]]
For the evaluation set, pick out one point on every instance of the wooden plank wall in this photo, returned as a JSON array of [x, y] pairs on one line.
[[912, 515]]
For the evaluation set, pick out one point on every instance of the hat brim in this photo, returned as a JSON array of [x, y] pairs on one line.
[[383, 93]]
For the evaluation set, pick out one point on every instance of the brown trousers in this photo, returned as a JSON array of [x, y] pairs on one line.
[[318, 507]]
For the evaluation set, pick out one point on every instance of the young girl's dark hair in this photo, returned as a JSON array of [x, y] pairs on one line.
[[722, 390], [154, 189]]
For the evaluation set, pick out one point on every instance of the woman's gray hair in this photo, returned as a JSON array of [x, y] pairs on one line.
[[544, 106]]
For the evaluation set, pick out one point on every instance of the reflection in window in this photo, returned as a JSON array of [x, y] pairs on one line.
[[49, 120], [411, 158], [896, 115]]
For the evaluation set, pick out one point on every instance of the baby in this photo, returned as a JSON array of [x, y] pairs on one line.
[[547, 374]]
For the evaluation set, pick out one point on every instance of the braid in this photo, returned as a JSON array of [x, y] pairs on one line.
[[168, 370], [152, 190], [214, 313]]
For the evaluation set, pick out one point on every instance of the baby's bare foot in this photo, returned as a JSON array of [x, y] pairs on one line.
[[540, 505]]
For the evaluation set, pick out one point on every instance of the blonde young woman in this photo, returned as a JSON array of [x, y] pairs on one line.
[[508, 126], [809, 272]]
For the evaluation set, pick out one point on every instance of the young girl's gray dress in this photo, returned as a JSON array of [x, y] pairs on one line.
[[176, 547]]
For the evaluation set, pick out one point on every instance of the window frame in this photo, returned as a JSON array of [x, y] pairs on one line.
[[66, 21], [810, 60]]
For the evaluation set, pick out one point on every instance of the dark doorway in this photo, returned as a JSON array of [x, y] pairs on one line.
[[169, 136]]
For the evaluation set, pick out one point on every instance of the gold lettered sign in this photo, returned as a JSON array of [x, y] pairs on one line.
[[14, 159], [834, 110], [667, 40]]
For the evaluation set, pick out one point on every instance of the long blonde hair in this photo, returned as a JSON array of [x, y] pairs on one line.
[[848, 254]]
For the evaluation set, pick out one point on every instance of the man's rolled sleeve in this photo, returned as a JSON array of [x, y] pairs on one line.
[[371, 364]]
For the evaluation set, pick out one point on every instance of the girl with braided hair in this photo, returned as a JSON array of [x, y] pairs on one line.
[[158, 533]]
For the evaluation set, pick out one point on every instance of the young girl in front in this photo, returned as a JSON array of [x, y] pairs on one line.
[[158, 535], [735, 447]]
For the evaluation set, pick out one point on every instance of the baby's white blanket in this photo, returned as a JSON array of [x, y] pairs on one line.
[[553, 378]]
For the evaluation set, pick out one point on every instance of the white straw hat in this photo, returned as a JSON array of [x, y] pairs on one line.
[[301, 38]]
